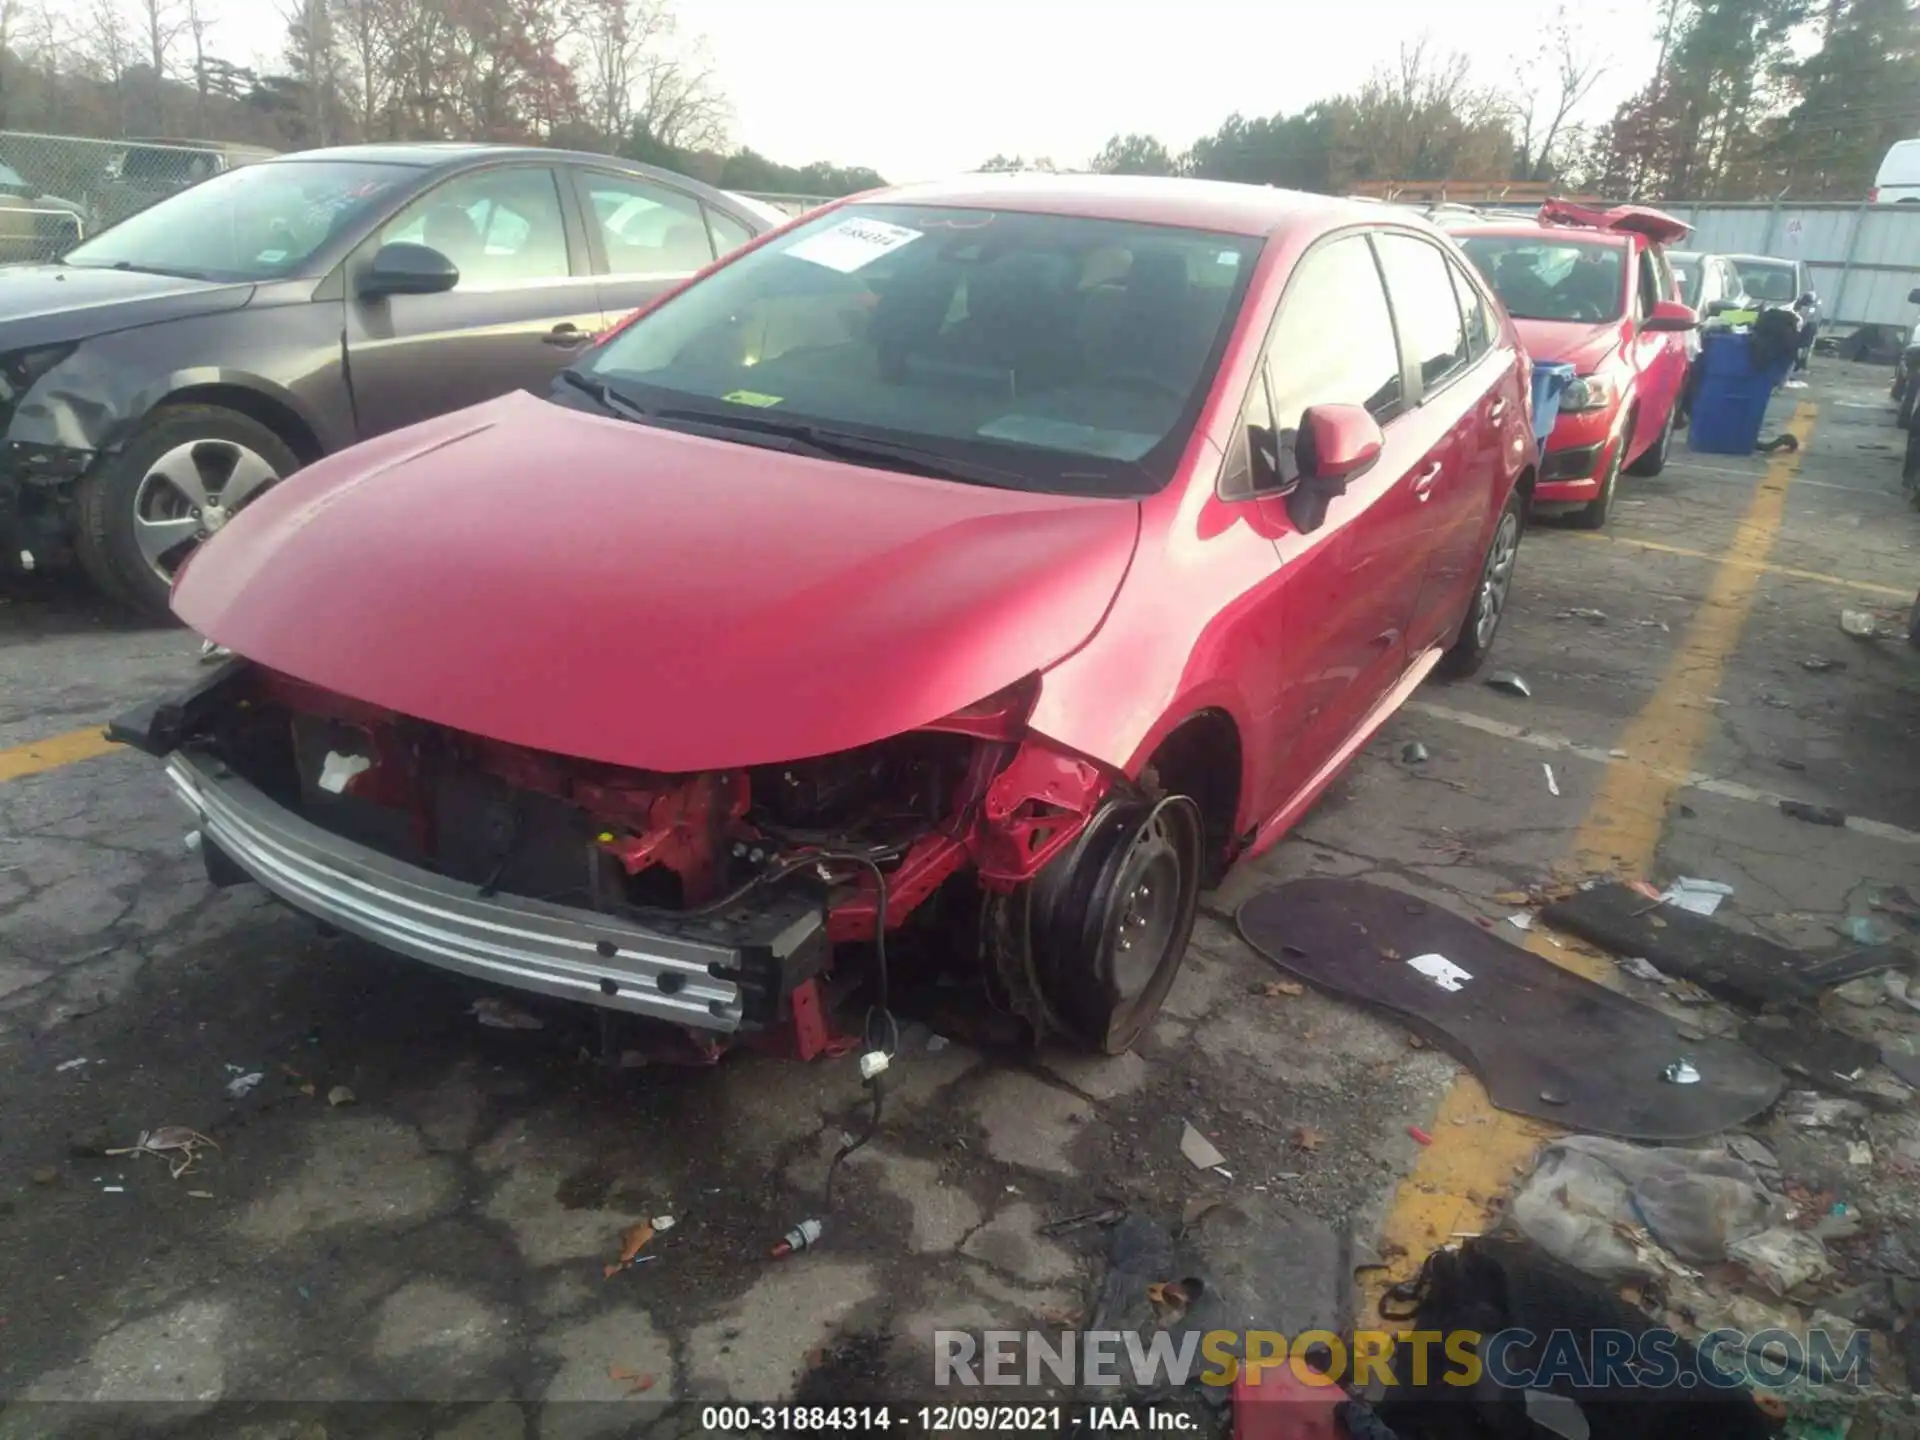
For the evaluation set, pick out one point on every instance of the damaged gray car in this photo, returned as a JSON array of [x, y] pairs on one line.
[[168, 371]]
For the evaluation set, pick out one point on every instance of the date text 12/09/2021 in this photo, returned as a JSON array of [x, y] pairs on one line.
[[935, 1419]]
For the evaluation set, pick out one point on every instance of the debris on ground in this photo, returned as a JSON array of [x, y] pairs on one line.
[[499, 1015], [1597, 1203], [636, 1381], [1860, 624], [242, 1085], [1638, 967], [339, 1095], [1811, 1111], [1512, 684], [1201, 1152], [1553, 785], [633, 1240], [1593, 617], [1274, 989], [179, 1146], [1414, 753], [1813, 814], [1868, 930], [1305, 1137], [1782, 1259], [1820, 664], [1701, 897], [1786, 441], [1085, 1220], [806, 1233], [73, 1064], [1520, 920]]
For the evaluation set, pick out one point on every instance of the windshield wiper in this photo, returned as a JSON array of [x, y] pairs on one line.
[[844, 445], [608, 398]]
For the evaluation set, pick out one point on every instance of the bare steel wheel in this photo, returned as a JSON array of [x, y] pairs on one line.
[[1092, 945], [181, 477]]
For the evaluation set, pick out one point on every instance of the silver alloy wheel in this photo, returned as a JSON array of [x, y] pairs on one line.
[[189, 493], [1496, 580]]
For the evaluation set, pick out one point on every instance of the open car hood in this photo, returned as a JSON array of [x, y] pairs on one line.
[[657, 600]]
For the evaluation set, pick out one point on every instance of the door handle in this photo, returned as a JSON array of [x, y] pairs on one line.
[[566, 336], [1424, 482]]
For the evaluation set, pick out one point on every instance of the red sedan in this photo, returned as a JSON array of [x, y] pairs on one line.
[[1593, 287], [1001, 558]]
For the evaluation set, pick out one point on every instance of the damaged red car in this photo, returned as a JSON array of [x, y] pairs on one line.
[[992, 562]]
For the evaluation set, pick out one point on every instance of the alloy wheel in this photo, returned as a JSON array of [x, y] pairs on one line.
[[1496, 580], [190, 492]]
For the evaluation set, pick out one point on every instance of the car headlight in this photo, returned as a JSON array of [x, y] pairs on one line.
[[21, 370], [1589, 392]]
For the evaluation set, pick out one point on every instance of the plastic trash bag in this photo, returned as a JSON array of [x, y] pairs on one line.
[[1585, 1190]]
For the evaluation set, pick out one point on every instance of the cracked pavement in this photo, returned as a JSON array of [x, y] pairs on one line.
[[427, 1259]]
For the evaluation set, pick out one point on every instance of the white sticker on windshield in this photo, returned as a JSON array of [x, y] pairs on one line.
[[271, 257], [852, 244]]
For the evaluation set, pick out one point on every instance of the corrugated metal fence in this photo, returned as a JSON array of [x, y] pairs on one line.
[[1864, 259]]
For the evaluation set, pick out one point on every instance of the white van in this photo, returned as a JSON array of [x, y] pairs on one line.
[[1898, 182]]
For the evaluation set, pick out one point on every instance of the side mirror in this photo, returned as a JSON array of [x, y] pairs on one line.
[[1670, 317], [1334, 445], [403, 268], [1913, 296]]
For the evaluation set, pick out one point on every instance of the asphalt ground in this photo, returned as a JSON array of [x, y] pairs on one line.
[[426, 1258]]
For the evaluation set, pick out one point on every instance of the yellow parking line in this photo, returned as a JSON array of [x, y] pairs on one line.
[[1742, 562], [51, 754], [1476, 1149]]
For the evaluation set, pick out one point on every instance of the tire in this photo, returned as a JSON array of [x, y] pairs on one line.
[[1913, 624], [1062, 947], [145, 507], [1595, 513], [1904, 417], [1655, 458], [1478, 631]]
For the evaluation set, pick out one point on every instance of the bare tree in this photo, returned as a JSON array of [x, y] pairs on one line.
[[1424, 117], [313, 56], [11, 17], [1543, 119], [111, 49], [160, 27], [198, 25], [637, 74], [365, 29]]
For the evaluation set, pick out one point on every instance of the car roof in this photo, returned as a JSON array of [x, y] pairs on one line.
[[1218, 205], [1523, 230]]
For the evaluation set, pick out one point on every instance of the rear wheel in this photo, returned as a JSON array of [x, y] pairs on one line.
[[1090, 947], [1594, 514], [1469, 652], [184, 473], [1655, 459]]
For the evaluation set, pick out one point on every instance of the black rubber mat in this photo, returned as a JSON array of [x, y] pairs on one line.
[[1745, 969], [1542, 1040]]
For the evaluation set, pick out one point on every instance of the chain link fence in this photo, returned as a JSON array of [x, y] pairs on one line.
[[55, 190]]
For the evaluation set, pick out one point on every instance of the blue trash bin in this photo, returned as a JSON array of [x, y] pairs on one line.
[[1550, 381], [1730, 404]]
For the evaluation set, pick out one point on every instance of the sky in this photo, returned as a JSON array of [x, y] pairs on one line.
[[920, 89]]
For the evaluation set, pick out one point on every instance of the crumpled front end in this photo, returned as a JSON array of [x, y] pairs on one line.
[[726, 903]]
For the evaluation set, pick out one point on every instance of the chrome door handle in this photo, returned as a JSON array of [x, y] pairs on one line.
[[566, 336], [1424, 482]]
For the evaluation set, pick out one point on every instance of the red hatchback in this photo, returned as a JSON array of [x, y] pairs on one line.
[[1593, 288], [1000, 558]]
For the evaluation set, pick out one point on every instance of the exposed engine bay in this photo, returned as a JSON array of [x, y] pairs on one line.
[[726, 903]]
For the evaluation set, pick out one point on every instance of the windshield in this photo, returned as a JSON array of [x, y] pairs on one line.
[[254, 223], [1768, 281], [1552, 279], [1072, 353]]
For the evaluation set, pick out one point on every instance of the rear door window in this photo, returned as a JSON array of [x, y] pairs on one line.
[[1432, 334], [1475, 312]]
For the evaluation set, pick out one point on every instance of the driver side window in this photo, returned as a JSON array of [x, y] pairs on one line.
[[1648, 292], [500, 227]]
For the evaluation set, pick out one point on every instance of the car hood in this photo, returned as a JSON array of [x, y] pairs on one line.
[[1579, 344], [53, 304], [646, 598]]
